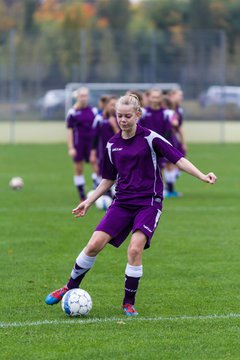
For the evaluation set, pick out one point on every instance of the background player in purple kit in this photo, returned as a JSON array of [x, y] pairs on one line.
[[176, 98], [105, 126], [131, 158], [155, 115], [171, 172], [80, 133]]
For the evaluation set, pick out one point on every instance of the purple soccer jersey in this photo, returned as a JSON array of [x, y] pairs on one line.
[[81, 121], [179, 111], [176, 131], [158, 121], [133, 163]]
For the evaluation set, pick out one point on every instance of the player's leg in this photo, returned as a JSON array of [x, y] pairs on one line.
[[87, 258], [79, 180], [182, 148], [96, 179], [144, 226], [134, 271], [170, 180], [83, 264], [90, 156]]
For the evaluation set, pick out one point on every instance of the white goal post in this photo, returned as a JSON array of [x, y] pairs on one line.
[[98, 89]]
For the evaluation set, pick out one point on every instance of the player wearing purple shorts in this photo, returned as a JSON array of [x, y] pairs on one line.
[[171, 172], [157, 118], [176, 97], [131, 159], [105, 126], [80, 133]]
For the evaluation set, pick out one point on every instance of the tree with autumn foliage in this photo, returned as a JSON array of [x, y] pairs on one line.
[[84, 39]]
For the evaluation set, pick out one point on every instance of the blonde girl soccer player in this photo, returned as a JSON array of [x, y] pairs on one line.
[[131, 158]]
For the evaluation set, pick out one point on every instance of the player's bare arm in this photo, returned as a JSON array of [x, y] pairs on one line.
[[185, 165], [71, 149], [82, 208]]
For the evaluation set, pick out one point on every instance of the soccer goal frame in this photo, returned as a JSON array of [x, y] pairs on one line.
[[113, 89]]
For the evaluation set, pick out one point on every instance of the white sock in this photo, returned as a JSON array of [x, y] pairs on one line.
[[78, 180], [94, 176], [134, 271], [169, 176], [96, 179], [85, 262], [177, 173]]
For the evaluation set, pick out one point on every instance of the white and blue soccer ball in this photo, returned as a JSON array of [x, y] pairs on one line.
[[103, 202], [76, 302], [90, 193], [16, 183]]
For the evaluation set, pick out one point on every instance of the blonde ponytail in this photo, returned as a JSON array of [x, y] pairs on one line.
[[130, 99]]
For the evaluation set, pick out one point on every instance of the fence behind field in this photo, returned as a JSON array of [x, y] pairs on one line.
[[33, 67]]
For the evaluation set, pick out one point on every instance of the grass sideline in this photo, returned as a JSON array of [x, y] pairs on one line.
[[191, 272]]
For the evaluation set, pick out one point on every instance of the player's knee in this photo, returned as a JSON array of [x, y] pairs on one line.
[[134, 251], [93, 248], [95, 245]]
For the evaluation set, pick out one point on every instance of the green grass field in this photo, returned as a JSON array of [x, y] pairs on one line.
[[191, 272]]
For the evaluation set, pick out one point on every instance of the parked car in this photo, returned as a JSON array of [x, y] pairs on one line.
[[220, 95], [52, 104]]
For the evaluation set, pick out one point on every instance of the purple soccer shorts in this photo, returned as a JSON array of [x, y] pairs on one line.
[[120, 220]]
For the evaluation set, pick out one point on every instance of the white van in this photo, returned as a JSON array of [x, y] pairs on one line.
[[221, 95]]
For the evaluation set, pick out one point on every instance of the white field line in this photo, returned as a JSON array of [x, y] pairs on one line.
[[121, 320], [68, 210], [203, 208]]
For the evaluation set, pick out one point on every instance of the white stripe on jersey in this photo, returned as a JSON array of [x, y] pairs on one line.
[[97, 120], [71, 111], [95, 110], [154, 135], [150, 139], [109, 147], [169, 113]]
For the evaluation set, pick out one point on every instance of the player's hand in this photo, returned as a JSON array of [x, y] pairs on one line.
[[72, 152], [210, 178], [81, 209]]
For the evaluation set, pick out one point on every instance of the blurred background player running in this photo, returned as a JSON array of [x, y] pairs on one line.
[[105, 126], [171, 172], [79, 137]]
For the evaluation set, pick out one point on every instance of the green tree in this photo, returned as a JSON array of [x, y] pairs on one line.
[[233, 30], [107, 67], [116, 12], [200, 14], [29, 25], [164, 14]]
